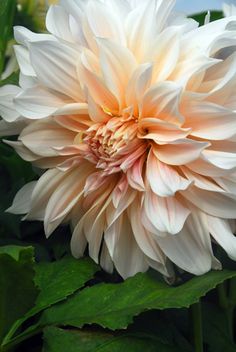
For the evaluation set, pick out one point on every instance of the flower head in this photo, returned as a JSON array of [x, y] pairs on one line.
[[130, 109]]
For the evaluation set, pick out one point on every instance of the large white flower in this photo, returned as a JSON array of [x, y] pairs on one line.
[[130, 109]]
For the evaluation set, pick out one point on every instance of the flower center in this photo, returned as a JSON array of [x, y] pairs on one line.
[[111, 143]]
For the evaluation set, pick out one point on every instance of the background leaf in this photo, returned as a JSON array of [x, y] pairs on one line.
[[114, 305], [18, 292], [58, 340]]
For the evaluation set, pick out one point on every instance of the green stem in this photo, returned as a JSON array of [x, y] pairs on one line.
[[225, 304], [196, 317]]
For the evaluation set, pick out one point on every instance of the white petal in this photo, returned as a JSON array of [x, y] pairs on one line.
[[57, 23], [55, 66], [22, 200], [38, 102], [222, 233], [210, 121], [41, 137], [23, 60], [188, 249], [104, 23], [7, 108]]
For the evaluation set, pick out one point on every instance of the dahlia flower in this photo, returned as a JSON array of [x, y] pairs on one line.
[[131, 111], [229, 9]]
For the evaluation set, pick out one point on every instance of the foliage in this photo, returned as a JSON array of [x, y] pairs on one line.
[[52, 302]]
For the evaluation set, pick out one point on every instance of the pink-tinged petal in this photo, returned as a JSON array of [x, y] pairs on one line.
[[180, 152], [166, 214], [42, 136], [65, 197], [131, 159], [189, 249], [144, 239], [96, 113], [93, 182], [164, 180], [97, 89], [127, 257], [122, 202], [91, 225], [161, 132], [221, 231], [68, 163], [119, 191], [135, 174], [138, 84], [58, 23], [55, 66], [213, 203], [7, 108], [210, 121], [117, 64], [22, 201], [162, 101]]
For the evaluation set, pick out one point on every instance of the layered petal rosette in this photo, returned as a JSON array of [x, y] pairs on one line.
[[131, 111]]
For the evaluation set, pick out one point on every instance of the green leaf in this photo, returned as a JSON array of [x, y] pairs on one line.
[[114, 305], [56, 281], [18, 292], [60, 279], [7, 11], [12, 79], [58, 340], [200, 17]]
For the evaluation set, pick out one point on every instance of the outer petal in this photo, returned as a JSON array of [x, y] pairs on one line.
[[222, 233], [55, 66], [7, 109], [189, 249], [163, 179], [166, 214], [180, 152]]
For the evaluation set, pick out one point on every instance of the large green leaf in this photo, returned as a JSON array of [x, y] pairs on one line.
[[18, 291], [114, 305], [7, 11], [60, 279], [58, 340], [56, 281]]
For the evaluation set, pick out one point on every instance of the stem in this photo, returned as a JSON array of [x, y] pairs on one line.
[[196, 317], [225, 304]]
